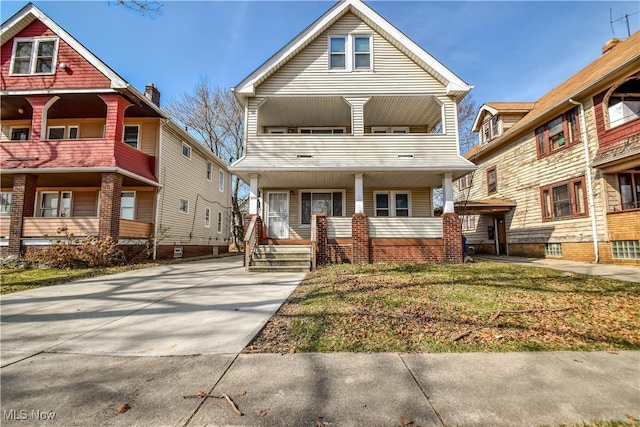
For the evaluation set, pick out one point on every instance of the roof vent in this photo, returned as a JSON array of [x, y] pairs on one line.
[[405, 156], [304, 156], [610, 44]]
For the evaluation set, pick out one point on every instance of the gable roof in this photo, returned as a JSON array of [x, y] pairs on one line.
[[501, 108], [455, 85], [29, 13], [577, 86]]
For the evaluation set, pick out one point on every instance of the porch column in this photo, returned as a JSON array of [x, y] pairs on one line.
[[253, 195], [359, 194], [40, 105], [116, 105], [323, 247], [447, 193], [109, 215], [360, 238], [22, 206], [452, 235]]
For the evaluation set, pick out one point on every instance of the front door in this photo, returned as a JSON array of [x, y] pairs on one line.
[[501, 238], [278, 216]]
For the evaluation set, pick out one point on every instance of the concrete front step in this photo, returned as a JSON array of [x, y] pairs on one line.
[[278, 268], [301, 262], [281, 258]]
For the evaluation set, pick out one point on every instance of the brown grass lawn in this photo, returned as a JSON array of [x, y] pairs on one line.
[[424, 308]]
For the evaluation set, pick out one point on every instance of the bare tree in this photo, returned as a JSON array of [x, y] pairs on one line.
[[145, 7], [217, 119]]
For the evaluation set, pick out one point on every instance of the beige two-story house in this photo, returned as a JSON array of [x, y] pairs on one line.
[[349, 128], [559, 177]]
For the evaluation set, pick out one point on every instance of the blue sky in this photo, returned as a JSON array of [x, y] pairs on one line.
[[508, 50]]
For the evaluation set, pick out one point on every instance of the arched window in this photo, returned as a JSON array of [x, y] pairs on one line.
[[623, 102]]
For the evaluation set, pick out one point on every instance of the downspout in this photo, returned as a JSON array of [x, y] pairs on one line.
[[159, 189], [592, 208]]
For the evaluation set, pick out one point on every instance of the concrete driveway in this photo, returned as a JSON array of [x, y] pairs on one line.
[[204, 307]]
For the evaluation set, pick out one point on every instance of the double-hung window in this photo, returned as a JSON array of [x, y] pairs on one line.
[[629, 190], [209, 170], [55, 204], [219, 225], [207, 217], [392, 203], [559, 133], [128, 205], [5, 203], [34, 56], [183, 206], [351, 52], [186, 151], [492, 180], [20, 134], [327, 202], [131, 134], [221, 181], [564, 200]]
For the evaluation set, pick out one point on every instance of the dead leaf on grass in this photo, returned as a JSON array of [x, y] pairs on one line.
[[123, 408], [632, 418], [406, 421]]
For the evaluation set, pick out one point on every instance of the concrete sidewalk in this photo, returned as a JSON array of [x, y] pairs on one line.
[[609, 271], [339, 389]]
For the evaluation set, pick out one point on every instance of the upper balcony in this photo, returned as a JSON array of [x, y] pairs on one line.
[[76, 131]]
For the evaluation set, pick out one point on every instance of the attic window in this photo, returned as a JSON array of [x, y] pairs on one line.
[[353, 52], [34, 56]]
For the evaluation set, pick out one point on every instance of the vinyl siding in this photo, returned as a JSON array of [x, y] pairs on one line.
[[182, 178], [148, 134], [307, 73], [85, 203]]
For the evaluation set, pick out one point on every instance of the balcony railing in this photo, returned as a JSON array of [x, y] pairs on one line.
[[389, 227], [4, 226]]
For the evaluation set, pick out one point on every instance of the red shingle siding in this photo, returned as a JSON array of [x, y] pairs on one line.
[[58, 154], [79, 74]]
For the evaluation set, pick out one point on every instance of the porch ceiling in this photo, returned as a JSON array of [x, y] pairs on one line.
[[321, 180], [402, 110], [305, 111]]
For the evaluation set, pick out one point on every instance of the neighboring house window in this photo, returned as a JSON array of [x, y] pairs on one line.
[[559, 133], [184, 206], [492, 180], [629, 190], [337, 53], [278, 131], [392, 203], [489, 129], [221, 181], [55, 132], [34, 56], [564, 200], [128, 205], [465, 181], [219, 229], [55, 204], [131, 135], [625, 249], [207, 217], [327, 202], [20, 134], [396, 129], [5, 203], [352, 52], [321, 131], [468, 222], [623, 103], [186, 151], [553, 249], [209, 170]]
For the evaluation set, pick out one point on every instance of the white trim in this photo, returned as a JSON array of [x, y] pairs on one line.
[[124, 128], [180, 206], [188, 147], [35, 42], [135, 204], [207, 217], [392, 202]]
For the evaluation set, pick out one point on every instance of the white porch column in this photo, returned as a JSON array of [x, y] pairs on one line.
[[359, 193], [447, 193], [253, 195]]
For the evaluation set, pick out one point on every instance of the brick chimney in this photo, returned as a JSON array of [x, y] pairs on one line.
[[610, 44], [152, 93]]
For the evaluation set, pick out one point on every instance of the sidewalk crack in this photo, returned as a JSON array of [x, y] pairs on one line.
[[422, 390]]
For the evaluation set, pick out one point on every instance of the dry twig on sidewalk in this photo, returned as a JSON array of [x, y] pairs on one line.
[[501, 312], [202, 395]]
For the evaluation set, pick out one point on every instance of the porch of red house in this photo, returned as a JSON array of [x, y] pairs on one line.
[[364, 240]]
